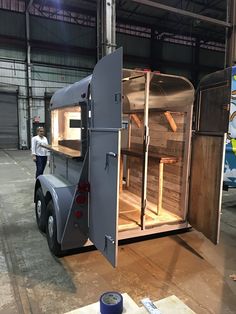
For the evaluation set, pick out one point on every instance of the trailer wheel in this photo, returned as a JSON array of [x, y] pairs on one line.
[[40, 210], [51, 231]]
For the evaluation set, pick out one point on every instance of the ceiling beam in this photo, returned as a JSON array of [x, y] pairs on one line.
[[183, 12], [29, 4]]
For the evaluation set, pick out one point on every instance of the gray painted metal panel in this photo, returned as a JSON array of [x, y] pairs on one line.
[[103, 178], [76, 229], [54, 181], [74, 170], [72, 94], [62, 193], [8, 120], [106, 91], [60, 165]]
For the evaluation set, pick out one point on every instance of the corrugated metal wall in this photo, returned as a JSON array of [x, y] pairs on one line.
[[63, 53], [62, 33]]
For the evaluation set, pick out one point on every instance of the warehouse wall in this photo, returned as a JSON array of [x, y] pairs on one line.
[[62, 33], [50, 69], [63, 53], [45, 79]]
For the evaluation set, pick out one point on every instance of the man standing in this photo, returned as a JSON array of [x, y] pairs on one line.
[[39, 153]]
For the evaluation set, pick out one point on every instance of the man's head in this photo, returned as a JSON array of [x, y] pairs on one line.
[[40, 131]]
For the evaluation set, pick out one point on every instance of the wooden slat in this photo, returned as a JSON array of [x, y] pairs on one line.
[[171, 121], [136, 119], [158, 158]]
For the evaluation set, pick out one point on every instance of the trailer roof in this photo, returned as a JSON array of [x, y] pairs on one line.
[[72, 94], [166, 91]]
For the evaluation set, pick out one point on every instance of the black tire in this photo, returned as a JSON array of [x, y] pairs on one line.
[[40, 210], [51, 231]]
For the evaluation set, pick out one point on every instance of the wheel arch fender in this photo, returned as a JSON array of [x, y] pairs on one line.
[[61, 198]]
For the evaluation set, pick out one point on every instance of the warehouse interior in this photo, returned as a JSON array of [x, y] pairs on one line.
[[49, 44], [55, 43]]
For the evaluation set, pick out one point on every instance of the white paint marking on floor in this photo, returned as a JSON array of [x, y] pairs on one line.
[[18, 181], [8, 163], [5, 154], [29, 174]]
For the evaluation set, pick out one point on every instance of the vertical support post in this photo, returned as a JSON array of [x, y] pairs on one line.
[[152, 50], [145, 151], [121, 172], [106, 27], [28, 75], [110, 21], [195, 71], [127, 158], [160, 188], [230, 55], [98, 32]]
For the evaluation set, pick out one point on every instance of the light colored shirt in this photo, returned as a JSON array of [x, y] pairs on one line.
[[36, 147]]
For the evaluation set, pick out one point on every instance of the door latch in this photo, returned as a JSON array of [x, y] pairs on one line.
[[110, 239], [109, 154]]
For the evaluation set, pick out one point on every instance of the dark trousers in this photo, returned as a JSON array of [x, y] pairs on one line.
[[41, 162]]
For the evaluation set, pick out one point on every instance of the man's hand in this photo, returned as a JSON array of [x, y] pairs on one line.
[[34, 158]]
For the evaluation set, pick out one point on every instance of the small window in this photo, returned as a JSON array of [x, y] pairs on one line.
[[75, 123]]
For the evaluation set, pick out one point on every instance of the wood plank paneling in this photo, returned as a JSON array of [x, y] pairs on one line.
[[205, 186], [164, 141]]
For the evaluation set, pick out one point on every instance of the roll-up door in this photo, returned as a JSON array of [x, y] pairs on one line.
[[8, 120]]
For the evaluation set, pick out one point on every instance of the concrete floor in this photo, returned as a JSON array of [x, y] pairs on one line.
[[33, 281]]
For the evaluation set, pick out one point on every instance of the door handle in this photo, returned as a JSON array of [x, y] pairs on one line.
[[109, 154]]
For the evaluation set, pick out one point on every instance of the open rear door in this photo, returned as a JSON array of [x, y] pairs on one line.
[[208, 147], [104, 151]]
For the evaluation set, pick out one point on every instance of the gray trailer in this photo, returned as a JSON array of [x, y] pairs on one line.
[[131, 155]]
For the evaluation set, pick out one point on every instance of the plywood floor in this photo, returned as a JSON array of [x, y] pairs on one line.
[[129, 213]]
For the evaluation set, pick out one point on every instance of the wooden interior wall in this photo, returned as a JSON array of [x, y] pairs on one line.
[[163, 140]]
